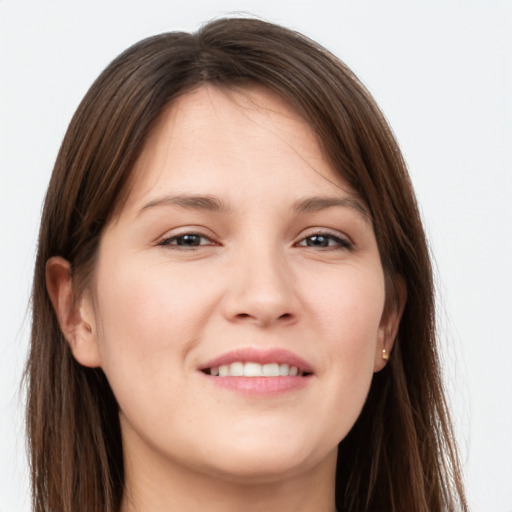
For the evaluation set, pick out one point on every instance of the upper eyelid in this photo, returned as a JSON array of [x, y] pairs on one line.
[[181, 235], [186, 230], [165, 241], [341, 241], [324, 231], [306, 233]]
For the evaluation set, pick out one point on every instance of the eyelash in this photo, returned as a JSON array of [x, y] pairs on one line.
[[169, 241], [339, 242]]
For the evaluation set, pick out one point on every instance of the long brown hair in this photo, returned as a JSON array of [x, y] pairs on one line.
[[400, 454]]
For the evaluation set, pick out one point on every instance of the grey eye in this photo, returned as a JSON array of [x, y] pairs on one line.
[[325, 240], [186, 240]]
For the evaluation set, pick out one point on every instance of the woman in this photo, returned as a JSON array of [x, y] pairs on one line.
[[233, 300]]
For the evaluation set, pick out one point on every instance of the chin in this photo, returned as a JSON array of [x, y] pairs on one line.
[[265, 461]]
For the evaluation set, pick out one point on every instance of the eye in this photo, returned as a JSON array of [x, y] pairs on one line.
[[186, 241], [325, 241]]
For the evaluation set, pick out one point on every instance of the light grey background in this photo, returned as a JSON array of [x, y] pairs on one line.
[[442, 73]]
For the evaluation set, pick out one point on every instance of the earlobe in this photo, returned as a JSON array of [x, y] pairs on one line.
[[390, 322], [75, 317]]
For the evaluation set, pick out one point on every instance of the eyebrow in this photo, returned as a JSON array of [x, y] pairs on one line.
[[215, 204], [314, 204], [190, 202]]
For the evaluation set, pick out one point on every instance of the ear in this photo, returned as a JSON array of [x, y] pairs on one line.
[[389, 324], [76, 318]]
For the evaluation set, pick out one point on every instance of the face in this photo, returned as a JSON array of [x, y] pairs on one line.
[[237, 304]]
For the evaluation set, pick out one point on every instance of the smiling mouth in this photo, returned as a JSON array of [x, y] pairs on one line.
[[253, 369]]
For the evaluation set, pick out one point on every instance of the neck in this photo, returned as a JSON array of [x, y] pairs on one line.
[[170, 487]]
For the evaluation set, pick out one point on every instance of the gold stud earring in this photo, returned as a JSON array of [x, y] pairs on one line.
[[385, 354]]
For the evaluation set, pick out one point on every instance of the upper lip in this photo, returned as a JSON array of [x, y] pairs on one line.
[[262, 356]]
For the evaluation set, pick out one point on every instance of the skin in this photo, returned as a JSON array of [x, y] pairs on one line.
[[156, 311]]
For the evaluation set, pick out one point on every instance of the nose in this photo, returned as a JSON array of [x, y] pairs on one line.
[[261, 290]]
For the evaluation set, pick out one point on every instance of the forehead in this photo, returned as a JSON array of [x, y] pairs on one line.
[[218, 141]]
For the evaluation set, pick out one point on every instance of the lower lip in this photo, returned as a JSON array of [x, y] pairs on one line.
[[260, 386]]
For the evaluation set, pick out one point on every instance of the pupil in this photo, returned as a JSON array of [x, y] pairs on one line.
[[189, 240], [317, 241]]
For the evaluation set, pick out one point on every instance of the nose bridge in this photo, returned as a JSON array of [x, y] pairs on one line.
[[262, 286]]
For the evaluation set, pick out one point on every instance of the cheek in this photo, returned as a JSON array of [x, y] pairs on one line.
[[141, 298], [349, 310], [150, 320], [348, 304], [149, 317]]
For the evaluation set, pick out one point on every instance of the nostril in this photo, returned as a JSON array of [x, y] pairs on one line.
[[284, 316]]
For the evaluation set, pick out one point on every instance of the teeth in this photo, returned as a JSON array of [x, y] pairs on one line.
[[236, 369], [250, 369], [270, 370]]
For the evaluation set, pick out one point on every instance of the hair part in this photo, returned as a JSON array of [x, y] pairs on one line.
[[400, 455]]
